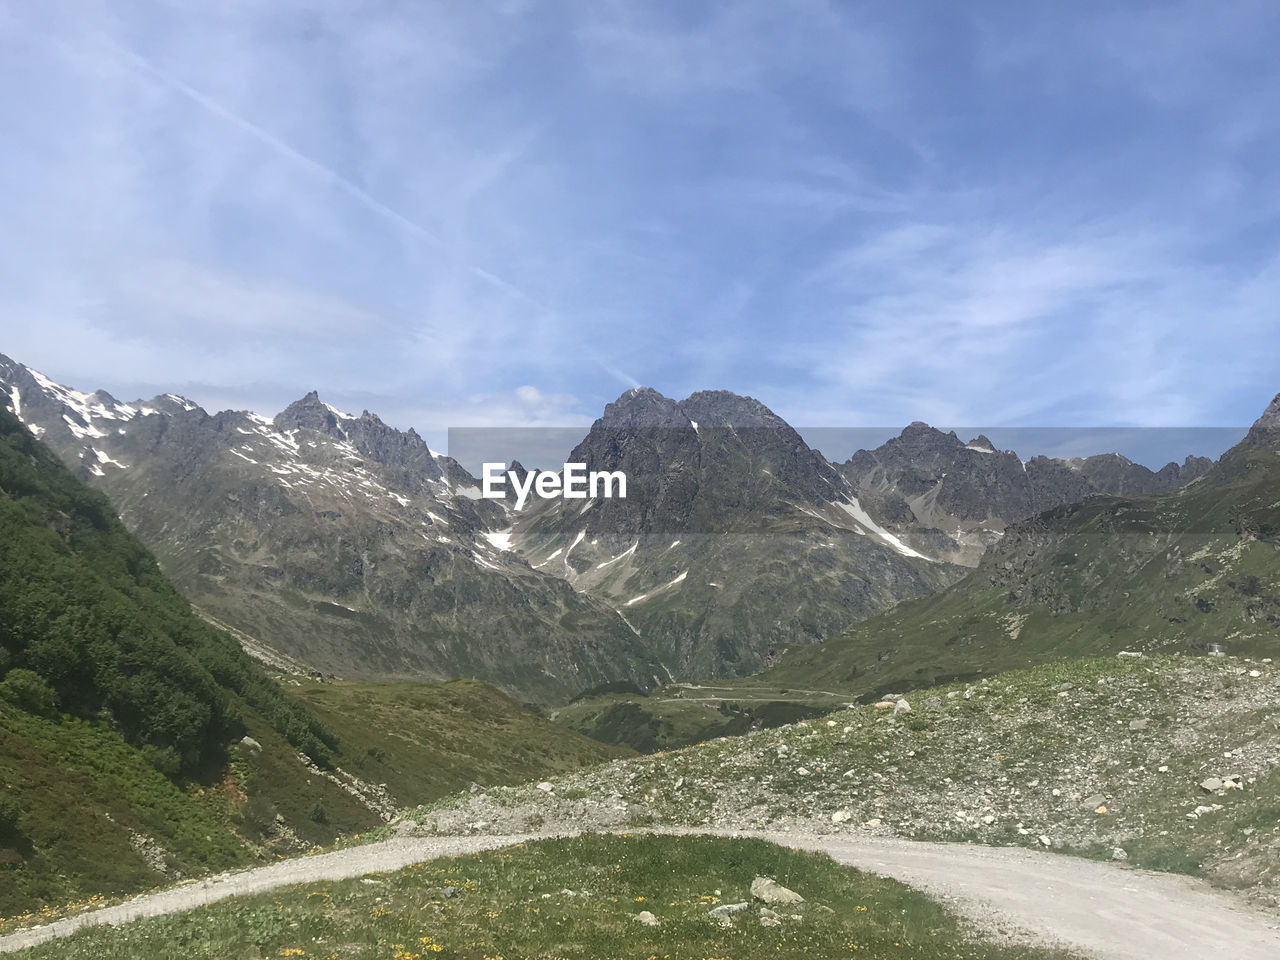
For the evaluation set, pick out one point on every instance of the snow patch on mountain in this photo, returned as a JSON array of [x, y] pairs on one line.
[[183, 402], [104, 459], [626, 553], [500, 539], [576, 540], [86, 406], [855, 510], [79, 431]]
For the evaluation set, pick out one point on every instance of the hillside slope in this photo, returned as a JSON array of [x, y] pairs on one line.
[[334, 539], [139, 744], [1171, 572]]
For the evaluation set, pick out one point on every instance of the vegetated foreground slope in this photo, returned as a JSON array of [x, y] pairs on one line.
[[584, 898], [138, 743], [1173, 572], [116, 700], [1172, 763]]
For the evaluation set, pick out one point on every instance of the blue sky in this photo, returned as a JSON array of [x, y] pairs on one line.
[[506, 213]]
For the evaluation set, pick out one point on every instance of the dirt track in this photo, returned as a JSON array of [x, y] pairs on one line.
[[1098, 909]]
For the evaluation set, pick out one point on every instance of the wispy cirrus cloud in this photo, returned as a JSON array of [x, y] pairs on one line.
[[865, 213]]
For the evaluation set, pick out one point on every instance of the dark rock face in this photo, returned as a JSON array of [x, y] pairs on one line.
[[735, 536], [940, 478], [1266, 431]]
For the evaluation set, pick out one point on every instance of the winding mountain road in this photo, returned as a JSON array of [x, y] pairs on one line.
[[1100, 910]]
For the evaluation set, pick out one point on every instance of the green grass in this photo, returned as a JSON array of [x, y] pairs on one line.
[[682, 714], [428, 740], [84, 800], [509, 904], [84, 795]]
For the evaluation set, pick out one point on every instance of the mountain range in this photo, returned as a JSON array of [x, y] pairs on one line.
[[337, 543], [1192, 570]]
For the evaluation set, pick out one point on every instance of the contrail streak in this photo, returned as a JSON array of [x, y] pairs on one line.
[[329, 175]]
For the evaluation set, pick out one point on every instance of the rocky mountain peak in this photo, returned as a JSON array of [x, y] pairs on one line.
[[722, 408], [918, 432], [642, 407], [310, 413], [1267, 427]]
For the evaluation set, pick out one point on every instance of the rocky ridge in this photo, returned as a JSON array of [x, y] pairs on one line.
[[333, 539]]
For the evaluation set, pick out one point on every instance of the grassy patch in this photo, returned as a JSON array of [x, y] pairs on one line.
[[428, 740], [680, 715], [91, 816], [574, 898]]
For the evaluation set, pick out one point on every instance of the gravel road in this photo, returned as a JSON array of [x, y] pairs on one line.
[[1098, 909]]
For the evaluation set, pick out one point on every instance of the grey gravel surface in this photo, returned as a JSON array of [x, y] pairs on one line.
[[1097, 909]]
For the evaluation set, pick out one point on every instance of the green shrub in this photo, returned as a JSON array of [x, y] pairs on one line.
[[28, 690], [89, 624], [10, 811]]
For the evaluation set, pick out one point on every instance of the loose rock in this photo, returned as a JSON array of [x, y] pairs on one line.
[[770, 891]]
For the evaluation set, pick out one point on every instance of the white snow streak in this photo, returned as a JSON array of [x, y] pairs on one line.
[[630, 550], [854, 509], [577, 540], [501, 539], [104, 459]]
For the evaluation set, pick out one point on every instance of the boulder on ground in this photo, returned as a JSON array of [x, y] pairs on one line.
[[770, 891]]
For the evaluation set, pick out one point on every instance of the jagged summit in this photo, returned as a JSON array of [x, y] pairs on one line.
[[645, 407], [519, 470], [920, 432], [1267, 427], [642, 407], [723, 408], [311, 413]]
